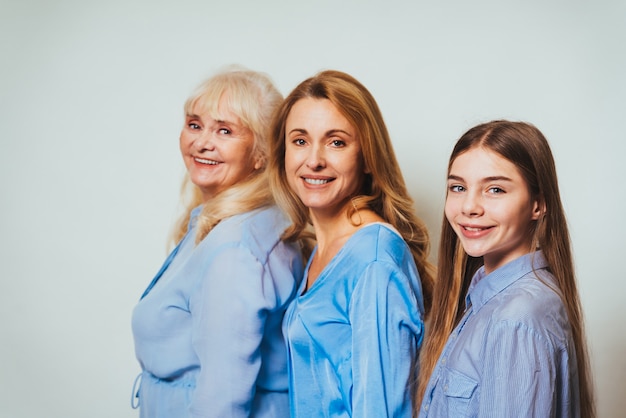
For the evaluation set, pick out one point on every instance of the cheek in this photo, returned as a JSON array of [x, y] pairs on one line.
[[351, 168], [290, 168], [449, 209], [290, 173], [290, 161], [184, 142]]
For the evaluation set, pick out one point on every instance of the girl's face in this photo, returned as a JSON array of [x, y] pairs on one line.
[[490, 208], [323, 159], [218, 153]]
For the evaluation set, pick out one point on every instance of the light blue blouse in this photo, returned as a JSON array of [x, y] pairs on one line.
[[353, 335], [208, 329], [512, 354]]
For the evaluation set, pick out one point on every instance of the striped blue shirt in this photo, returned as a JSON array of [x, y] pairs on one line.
[[512, 354]]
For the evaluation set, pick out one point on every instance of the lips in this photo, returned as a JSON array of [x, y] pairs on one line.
[[472, 231], [315, 182], [205, 161]]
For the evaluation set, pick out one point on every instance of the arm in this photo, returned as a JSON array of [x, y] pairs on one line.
[[387, 329], [228, 314]]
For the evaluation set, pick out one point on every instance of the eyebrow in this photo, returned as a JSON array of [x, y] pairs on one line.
[[227, 122], [486, 179], [327, 133], [297, 130], [223, 121]]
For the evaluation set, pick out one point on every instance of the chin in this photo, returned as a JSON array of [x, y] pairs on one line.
[[474, 252]]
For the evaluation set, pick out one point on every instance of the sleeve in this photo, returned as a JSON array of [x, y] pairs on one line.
[[387, 329], [519, 375], [228, 313]]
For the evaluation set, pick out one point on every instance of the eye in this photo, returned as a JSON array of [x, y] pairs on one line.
[[299, 142], [193, 125], [337, 143], [496, 190], [456, 188], [224, 131]]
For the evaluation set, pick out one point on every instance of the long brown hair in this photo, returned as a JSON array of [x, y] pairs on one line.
[[526, 147], [384, 190]]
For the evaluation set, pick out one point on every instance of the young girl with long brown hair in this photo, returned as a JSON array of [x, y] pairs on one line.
[[506, 335]]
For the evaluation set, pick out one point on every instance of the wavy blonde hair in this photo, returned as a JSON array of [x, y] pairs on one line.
[[253, 98], [384, 190], [525, 146]]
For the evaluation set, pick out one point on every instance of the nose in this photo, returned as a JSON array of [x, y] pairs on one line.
[[315, 158], [204, 141], [472, 204]]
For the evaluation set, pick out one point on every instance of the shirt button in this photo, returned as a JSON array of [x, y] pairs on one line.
[[443, 360]]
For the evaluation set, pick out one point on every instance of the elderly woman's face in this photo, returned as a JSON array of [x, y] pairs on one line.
[[218, 153]]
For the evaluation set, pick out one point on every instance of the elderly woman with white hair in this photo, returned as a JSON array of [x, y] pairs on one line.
[[207, 329]]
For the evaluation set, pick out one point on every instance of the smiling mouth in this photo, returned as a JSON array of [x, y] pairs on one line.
[[203, 161], [316, 182], [473, 229]]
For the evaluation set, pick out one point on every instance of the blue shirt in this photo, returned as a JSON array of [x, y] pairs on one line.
[[353, 335], [512, 354], [208, 331]]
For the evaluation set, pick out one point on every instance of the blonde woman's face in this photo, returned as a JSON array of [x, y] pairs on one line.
[[490, 207], [218, 153], [323, 158]]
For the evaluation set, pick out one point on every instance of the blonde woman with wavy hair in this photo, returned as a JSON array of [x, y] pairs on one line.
[[208, 328], [357, 323], [506, 337]]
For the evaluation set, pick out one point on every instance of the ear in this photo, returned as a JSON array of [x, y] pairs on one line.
[[539, 209], [259, 162]]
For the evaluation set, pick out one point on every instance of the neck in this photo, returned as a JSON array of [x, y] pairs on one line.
[[332, 231], [331, 227], [334, 227]]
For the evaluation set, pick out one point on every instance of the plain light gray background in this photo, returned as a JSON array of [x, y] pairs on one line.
[[91, 96]]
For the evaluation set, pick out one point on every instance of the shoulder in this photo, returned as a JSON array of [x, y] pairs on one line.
[[259, 231], [377, 242], [377, 255], [267, 221], [531, 303]]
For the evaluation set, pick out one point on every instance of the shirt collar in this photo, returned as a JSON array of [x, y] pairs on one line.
[[193, 217], [485, 286]]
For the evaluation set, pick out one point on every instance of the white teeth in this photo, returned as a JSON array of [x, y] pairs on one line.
[[203, 161], [316, 181], [467, 228]]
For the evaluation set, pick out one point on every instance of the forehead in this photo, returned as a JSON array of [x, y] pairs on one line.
[[480, 162], [211, 107], [319, 112]]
